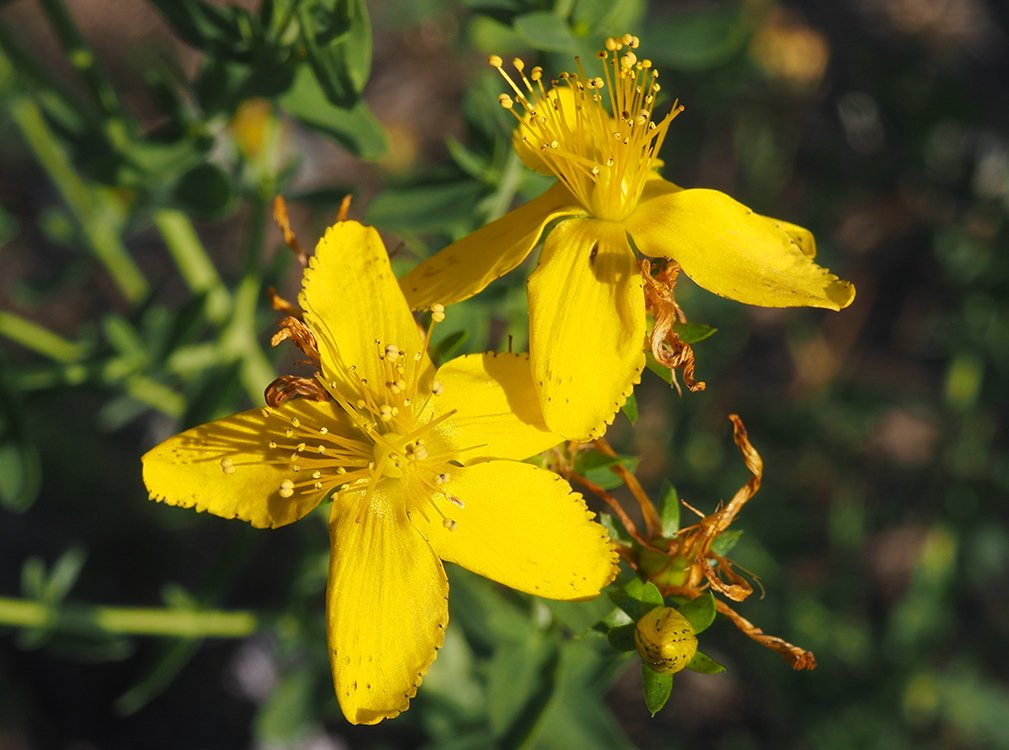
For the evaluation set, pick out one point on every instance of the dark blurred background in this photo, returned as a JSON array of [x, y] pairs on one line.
[[880, 532]]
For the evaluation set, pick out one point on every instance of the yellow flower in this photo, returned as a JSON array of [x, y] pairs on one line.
[[586, 299], [423, 466]]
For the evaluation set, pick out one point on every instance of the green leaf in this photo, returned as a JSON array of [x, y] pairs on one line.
[[630, 409], [704, 664], [356, 128], [205, 191], [616, 530], [608, 17], [699, 612], [726, 541], [656, 688], [425, 207], [523, 678], [595, 467], [545, 31], [337, 39], [443, 349], [621, 638], [692, 333], [658, 368], [20, 467], [64, 574], [288, 713], [698, 39], [669, 509]]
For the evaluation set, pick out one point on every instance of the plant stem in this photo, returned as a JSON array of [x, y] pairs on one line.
[[39, 339], [96, 222], [193, 262], [82, 618]]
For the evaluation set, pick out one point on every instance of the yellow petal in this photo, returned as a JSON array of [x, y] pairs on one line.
[[729, 250], [464, 268], [355, 308], [586, 326], [495, 408], [228, 468], [386, 604], [522, 526]]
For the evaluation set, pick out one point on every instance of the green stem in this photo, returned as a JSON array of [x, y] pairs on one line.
[[193, 262], [82, 57], [79, 618], [97, 224], [39, 339]]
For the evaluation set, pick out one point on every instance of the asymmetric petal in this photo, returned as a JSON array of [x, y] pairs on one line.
[[496, 410], [586, 326], [731, 251], [466, 267], [355, 308], [386, 604], [522, 526], [228, 468]]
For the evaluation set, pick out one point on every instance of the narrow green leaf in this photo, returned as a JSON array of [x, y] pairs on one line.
[[692, 333], [704, 664], [699, 612], [656, 688], [630, 409], [726, 541], [658, 368], [669, 509]]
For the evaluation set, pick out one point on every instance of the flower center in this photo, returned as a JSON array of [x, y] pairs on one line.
[[394, 453], [603, 157]]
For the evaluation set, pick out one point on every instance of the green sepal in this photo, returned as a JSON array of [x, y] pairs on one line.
[[656, 688], [699, 612], [637, 598], [704, 664]]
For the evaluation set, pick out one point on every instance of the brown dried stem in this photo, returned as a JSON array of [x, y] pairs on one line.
[[799, 658]]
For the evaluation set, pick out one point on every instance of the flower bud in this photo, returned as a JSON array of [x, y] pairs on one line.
[[665, 640]]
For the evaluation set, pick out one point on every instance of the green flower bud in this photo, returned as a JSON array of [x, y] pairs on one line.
[[665, 640]]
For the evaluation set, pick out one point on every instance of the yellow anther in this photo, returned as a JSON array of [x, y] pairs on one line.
[[495, 61], [438, 311], [536, 74], [227, 466], [272, 444], [391, 352], [436, 388], [505, 101], [316, 474], [627, 61], [323, 430], [519, 64], [385, 412], [449, 524], [286, 488]]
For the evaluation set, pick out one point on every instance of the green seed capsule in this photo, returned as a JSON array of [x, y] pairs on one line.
[[665, 640]]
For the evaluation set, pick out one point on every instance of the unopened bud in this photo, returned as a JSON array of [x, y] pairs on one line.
[[665, 640]]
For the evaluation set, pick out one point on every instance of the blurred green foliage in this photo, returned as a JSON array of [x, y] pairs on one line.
[[139, 156]]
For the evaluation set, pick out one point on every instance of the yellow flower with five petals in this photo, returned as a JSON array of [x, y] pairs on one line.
[[599, 137], [423, 465]]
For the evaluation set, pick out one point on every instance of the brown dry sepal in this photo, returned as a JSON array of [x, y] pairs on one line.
[[667, 347]]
